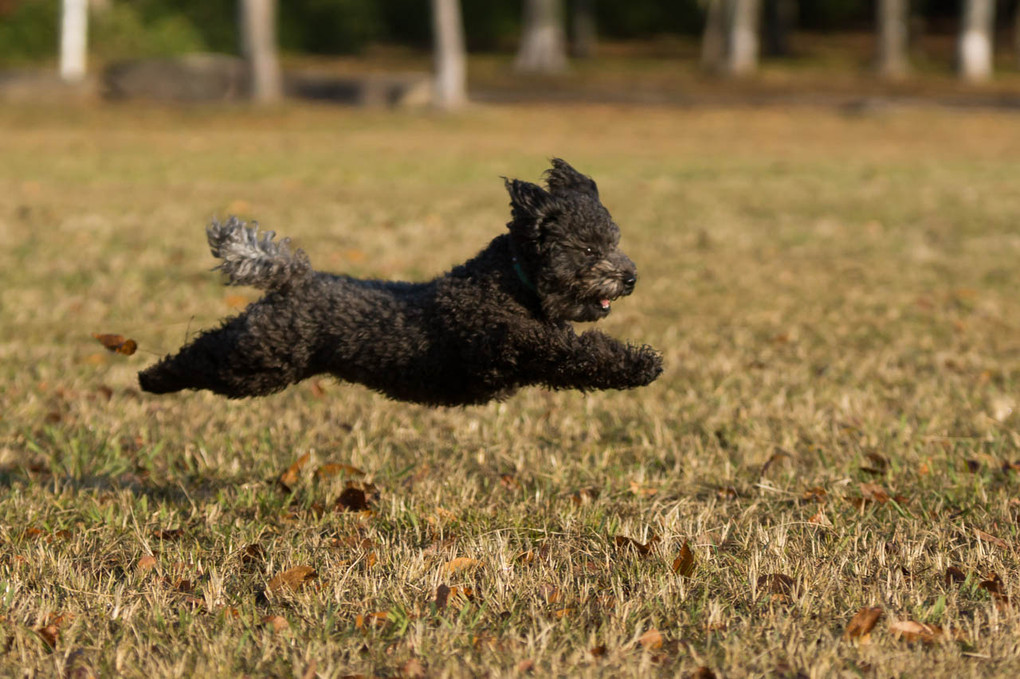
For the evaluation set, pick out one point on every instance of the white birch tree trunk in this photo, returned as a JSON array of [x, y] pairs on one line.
[[977, 25], [543, 43], [742, 37], [74, 21], [893, 36], [450, 57], [258, 47]]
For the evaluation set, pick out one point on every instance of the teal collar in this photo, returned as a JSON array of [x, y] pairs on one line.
[[524, 277]]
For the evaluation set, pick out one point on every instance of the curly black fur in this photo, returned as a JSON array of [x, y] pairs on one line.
[[499, 322]]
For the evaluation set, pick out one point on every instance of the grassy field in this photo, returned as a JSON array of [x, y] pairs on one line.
[[836, 298]]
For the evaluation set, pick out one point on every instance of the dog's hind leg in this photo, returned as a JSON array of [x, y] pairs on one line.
[[254, 354]]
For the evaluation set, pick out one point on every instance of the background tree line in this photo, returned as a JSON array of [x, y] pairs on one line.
[[28, 28]]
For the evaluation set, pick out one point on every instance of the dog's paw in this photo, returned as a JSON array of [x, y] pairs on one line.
[[646, 365]]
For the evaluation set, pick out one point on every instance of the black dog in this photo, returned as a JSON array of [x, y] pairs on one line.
[[490, 326]]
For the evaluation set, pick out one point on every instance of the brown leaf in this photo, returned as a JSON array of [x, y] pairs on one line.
[[954, 575], [277, 622], [702, 672], [862, 623], [988, 537], [779, 585], [996, 587], [146, 563], [289, 478], [509, 482], [117, 343], [318, 391], [352, 499], [291, 579], [49, 635], [973, 466], [879, 464], [598, 651], [651, 640], [684, 563], [584, 496], [376, 619], [526, 666], [909, 630], [816, 494], [412, 669], [779, 454], [253, 554], [332, 469], [625, 543], [875, 493], [461, 563]]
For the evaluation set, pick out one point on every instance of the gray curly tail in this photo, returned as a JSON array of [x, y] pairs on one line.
[[251, 260]]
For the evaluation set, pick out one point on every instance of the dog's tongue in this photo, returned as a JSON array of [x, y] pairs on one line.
[[604, 303]]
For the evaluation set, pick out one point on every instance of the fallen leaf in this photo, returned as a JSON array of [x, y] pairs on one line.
[[778, 585], [277, 622], [526, 666], [973, 466], [684, 563], [318, 391], [874, 492], [862, 623], [624, 543], [376, 619], [779, 454], [585, 496], [816, 494], [147, 563], [332, 469], [291, 579], [879, 464], [997, 588], [461, 563], [651, 640], [289, 478], [988, 537], [954, 575], [168, 534], [117, 343], [412, 669], [352, 499], [253, 554], [598, 651], [909, 630], [49, 635], [509, 482], [702, 672]]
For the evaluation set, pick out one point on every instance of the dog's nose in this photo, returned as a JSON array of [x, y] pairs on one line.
[[629, 282]]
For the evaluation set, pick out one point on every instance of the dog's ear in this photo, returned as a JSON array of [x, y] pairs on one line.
[[530, 204], [562, 178]]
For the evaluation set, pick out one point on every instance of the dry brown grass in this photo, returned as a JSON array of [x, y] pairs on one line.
[[837, 302]]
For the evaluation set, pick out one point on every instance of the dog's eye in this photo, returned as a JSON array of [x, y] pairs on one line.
[[590, 252]]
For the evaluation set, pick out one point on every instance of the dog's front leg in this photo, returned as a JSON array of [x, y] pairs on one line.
[[594, 360]]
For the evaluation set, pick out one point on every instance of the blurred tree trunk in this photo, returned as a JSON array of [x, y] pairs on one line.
[[543, 45], [742, 37], [258, 47], [713, 40], [977, 25], [450, 57], [1016, 35], [585, 32], [74, 20], [780, 19], [893, 37]]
